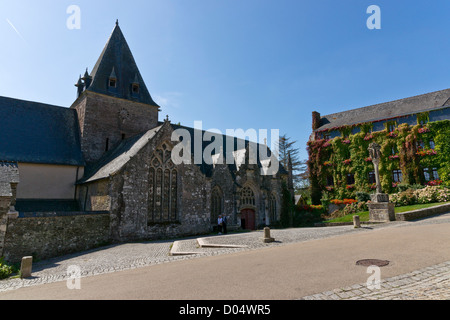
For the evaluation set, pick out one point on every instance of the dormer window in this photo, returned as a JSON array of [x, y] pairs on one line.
[[112, 82], [135, 88]]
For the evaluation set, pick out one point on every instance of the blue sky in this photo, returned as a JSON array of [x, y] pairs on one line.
[[232, 64]]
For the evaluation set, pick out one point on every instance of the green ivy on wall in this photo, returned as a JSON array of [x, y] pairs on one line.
[[348, 154]]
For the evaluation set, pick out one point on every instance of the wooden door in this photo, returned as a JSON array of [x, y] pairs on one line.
[[248, 219]]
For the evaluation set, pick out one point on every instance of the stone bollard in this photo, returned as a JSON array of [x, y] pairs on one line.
[[356, 222], [267, 238], [26, 267]]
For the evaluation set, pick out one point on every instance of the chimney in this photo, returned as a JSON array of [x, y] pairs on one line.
[[315, 120]]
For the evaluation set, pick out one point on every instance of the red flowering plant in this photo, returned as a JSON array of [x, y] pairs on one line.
[[349, 201], [373, 186], [429, 152], [434, 183], [343, 202], [392, 134], [369, 159], [347, 162], [329, 188], [368, 137], [394, 157], [351, 187], [328, 164], [394, 185], [327, 144], [424, 130], [346, 141]]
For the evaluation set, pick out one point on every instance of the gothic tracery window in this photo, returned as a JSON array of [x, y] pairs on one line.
[[247, 197], [163, 189]]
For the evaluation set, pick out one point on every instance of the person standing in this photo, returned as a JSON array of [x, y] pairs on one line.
[[219, 224], [224, 224]]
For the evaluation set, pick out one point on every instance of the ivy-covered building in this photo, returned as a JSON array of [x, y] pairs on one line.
[[413, 132]]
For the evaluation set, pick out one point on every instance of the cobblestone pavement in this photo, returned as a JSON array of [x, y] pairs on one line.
[[430, 283]]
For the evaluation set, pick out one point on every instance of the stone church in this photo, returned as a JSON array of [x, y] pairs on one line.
[[109, 155]]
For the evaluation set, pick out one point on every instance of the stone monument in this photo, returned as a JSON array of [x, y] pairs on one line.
[[267, 238], [380, 209], [26, 267]]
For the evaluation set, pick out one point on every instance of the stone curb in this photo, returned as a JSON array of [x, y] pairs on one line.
[[175, 250], [204, 244]]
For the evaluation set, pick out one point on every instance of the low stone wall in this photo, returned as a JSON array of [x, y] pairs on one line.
[[48, 237], [339, 224], [423, 213]]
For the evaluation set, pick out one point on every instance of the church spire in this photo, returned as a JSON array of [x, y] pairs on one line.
[[118, 61]]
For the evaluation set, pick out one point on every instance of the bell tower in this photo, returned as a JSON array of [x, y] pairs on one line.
[[113, 102]]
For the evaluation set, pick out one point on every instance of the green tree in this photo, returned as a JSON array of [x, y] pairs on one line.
[[286, 147], [287, 207]]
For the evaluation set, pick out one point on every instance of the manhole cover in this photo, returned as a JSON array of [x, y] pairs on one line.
[[372, 262]]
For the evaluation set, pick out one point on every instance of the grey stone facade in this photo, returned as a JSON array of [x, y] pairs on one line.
[[129, 175], [9, 178]]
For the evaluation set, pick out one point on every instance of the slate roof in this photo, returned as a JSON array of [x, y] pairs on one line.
[[237, 144], [116, 59], [113, 161], [34, 132], [388, 110]]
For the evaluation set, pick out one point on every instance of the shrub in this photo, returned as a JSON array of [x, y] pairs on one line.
[[432, 194], [423, 195], [5, 270], [362, 196]]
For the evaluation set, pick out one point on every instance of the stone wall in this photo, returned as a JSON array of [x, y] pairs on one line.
[[102, 117], [423, 213], [223, 180], [95, 196], [5, 203], [50, 237], [129, 194]]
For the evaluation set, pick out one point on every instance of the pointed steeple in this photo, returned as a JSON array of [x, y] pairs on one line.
[[87, 79], [80, 86], [116, 59]]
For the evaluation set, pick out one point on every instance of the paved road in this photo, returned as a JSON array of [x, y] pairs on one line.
[[314, 263]]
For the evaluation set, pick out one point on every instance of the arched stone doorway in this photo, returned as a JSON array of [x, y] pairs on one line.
[[248, 209]]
